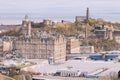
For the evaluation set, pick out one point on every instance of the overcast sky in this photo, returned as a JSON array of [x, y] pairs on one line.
[[60, 8], [56, 5]]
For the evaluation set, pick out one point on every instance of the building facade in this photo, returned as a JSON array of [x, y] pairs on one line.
[[72, 45], [83, 19], [106, 32], [49, 23], [42, 46], [26, 26], [86, 49], [116, 35], [7, 43]]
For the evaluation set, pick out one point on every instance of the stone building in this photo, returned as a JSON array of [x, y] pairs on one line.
[[80, 19], [72, 45], [83, 19], [7, 46], [116, 35], [42, 46], [26, 26], [107, 32], [49, 23], [86, 49], [7, 43]]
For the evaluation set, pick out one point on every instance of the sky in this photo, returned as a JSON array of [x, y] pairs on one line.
[[54, 9]]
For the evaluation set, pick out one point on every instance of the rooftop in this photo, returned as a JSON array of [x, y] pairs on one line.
[[91, 67]]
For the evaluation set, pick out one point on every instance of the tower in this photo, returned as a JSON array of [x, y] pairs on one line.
[[87, 15], [86, 21], [26, 26], [111, 32]]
